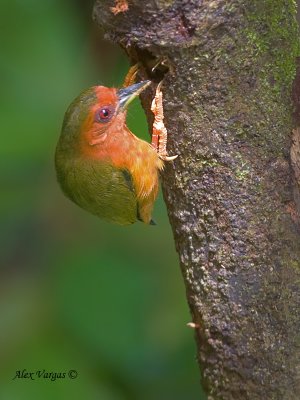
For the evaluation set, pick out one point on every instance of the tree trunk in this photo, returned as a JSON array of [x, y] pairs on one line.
[[228, 71]]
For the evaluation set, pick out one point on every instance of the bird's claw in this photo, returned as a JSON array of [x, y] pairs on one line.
[[161, 61], [167, 158], [131, 75]]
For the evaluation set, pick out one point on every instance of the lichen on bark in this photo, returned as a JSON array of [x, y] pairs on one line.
[[227, 102]]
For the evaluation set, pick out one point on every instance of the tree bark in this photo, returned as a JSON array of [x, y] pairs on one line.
[[228, 71]]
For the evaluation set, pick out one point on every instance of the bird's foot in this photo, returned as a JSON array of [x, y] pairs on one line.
[[131, 75], [159, 131]]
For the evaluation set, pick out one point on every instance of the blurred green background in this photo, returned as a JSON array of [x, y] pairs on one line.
[[77, 293]]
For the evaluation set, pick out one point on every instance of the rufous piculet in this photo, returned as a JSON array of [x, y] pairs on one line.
[[100, 164]]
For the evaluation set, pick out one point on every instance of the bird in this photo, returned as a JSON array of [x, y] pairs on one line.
[[100, 164]]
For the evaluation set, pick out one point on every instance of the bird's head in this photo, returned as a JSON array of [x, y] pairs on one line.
[[96, 113]]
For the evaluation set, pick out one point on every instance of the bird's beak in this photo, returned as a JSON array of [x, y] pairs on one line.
[[127, 94]]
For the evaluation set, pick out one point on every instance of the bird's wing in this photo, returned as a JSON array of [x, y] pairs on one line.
[[128, 179]]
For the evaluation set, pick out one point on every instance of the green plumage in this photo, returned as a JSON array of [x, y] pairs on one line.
[[68, 144], [112, 197]]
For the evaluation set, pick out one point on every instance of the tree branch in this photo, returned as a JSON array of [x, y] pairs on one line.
[[227, 103]]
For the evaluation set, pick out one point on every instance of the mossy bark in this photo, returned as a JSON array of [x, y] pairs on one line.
[[227, 103]]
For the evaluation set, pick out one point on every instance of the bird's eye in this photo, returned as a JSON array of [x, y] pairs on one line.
[[104, 114]]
